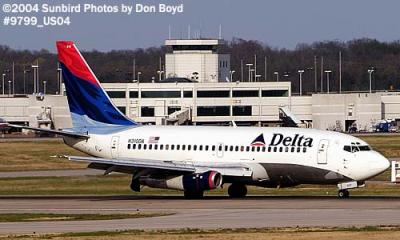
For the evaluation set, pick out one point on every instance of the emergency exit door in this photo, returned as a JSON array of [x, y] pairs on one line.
[[322, 156]]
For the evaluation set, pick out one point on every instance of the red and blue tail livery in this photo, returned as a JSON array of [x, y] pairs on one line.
[[88, 102]]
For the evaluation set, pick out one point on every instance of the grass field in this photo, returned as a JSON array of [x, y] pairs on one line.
[[36, 217], [367, 233], [31, 155]]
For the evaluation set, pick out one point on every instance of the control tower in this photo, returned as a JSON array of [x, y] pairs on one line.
[[197, 59]]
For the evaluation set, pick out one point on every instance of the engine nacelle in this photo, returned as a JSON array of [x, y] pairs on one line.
[[196, 182]]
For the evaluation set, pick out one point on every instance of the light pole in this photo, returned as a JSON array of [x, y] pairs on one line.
[[9, 88], [257, 76], [44, 87], [138, 76], [370, 71], [2, 84], [277, 76], [25, 72], [160, 73], [249, 65], [231, 73], [301, 81], [327, 80], [59, 75], [251, 74], [35, 78]]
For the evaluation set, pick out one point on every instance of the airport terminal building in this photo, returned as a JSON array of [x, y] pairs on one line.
[[198, 91]]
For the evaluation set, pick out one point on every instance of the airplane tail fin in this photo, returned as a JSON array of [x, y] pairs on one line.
[[89, 104]]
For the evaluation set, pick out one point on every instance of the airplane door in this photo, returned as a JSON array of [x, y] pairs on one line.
[[220, 150], [114, 146], [322, 156]]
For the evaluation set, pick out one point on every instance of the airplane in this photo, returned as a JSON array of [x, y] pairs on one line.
[[195, 159]]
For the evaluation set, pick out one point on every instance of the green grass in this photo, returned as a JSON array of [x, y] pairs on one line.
[[31, 155], [36, 217]]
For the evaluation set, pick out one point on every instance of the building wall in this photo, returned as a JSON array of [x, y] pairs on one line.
[[331, 111]]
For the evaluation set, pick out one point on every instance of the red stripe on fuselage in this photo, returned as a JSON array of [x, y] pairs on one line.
[[69, 55]]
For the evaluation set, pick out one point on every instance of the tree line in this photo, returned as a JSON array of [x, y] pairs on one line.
[[357, 56]]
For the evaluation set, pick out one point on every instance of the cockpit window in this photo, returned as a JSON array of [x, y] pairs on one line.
[[355, 147]]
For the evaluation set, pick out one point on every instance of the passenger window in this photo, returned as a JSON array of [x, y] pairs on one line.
[[213, 148], [161, 146], [166, 146], [298, 149], [292, 150], [220, 148], [129, 146], [253, 148], [231, 148], [280, 149], [241, 148], [269, 149], [206, 147], [144, 146], [247, 149], [304, 149], [133, 146], [178, 147], [150, 146], [226, 148], [194, 147], [183, 147], [201, 148], [189, 147], [286, 149], [236, 148], [139, 146], [172, 146], [263, 149], [258, 149], [155, 146]]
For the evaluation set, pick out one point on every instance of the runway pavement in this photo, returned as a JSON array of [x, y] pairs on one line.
[[211, 212]]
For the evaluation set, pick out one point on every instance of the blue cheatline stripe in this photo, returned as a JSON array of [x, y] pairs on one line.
[[86, 99]]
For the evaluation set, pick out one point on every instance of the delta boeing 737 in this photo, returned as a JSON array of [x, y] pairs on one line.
[[199, 158]]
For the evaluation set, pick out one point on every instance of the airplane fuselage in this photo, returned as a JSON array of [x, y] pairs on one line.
[[278, 157]]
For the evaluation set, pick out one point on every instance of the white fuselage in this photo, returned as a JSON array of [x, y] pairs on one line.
[[287, 156]]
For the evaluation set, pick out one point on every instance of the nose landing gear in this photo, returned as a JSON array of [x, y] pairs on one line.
[[344, 188], [343, 193]]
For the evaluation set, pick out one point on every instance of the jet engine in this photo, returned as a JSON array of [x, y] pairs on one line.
[[196, 182]]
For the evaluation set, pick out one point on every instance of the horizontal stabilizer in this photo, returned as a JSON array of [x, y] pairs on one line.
[[58, 132]]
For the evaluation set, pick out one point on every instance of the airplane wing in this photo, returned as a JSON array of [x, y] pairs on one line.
[[58, 132], [131, 165]]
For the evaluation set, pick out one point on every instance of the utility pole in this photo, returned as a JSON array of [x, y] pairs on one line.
[[340, 71], [134, 69], [255, 67], [327, 79], [301, 81], [322, 74], [13, 78], [315, 75], [241, 70], [265, 68], [370, 71]]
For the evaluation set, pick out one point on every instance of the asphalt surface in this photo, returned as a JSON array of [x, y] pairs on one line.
[[209, 213]]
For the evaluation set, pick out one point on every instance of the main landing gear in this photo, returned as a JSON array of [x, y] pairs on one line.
[[237, 190]]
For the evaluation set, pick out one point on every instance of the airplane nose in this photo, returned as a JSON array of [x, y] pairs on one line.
[[379, 163]]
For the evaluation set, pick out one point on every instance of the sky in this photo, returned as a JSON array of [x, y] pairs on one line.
[[278, 23]]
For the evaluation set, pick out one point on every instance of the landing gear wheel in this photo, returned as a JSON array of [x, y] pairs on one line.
[[193, 195], [344, 193], [236, 190]]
